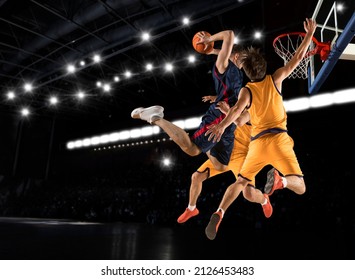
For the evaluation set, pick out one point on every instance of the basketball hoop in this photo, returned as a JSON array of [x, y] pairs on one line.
[[285, 46]]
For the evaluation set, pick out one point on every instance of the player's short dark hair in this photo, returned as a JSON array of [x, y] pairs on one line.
[[237, 48], [254, 64]]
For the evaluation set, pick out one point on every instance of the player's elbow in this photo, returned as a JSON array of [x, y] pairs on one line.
[[239, 122], [228, 34]]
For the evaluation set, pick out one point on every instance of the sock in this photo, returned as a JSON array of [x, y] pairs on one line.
[[191, 207], [265, 202], [222, 211], [284, 182]]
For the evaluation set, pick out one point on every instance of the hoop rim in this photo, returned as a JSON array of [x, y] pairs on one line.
[[322, 48]]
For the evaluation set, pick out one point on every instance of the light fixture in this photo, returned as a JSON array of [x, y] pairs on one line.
[[145, 36], [25, 112], [96, 58], [166, 162], [71, 68], [191, 58], [10, 95], [185, 21], [106, 87], [149, 66], [80, 95], [53, 100], [169, 67], [340, 7], [28, 87], [257, 35]]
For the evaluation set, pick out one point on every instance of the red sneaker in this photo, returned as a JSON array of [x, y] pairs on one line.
[[212, 227], [267, 208], [187, 215], [273, 182]]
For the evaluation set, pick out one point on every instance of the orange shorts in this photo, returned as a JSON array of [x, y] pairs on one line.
[[240, 150], [274, 149]]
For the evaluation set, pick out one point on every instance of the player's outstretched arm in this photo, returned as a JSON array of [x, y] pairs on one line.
[[241, 120], [283, 72], [222, 60]]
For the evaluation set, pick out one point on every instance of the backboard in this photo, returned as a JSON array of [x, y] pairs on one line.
[[336, 25]]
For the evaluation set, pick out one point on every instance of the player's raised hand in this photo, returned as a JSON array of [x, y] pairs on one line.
[[310, 25]]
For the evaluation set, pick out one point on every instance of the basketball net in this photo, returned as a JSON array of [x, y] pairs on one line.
[[286, 45]]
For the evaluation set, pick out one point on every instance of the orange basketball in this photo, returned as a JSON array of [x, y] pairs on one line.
[[200, 48]]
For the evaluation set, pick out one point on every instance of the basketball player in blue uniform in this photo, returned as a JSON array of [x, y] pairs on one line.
[[228, 80]]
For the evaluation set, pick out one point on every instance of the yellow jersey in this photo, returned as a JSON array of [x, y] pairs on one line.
[[266, 109]]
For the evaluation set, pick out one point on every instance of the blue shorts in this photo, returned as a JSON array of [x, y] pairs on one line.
[[221, 150]]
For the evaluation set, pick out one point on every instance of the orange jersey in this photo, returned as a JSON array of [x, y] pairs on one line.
[[267, 112], [268, 118]]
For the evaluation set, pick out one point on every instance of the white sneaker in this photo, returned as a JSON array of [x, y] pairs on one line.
[[149, 114]]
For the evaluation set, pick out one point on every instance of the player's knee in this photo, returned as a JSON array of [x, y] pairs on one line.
[[193, 153], [192, 150], [302, 189], [199, 177]]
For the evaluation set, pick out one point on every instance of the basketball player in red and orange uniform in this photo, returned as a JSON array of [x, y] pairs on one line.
[[270, 143]]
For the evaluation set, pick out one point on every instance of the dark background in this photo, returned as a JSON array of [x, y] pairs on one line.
[[40, 178]]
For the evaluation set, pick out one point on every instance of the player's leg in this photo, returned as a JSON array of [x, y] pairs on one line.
[[251, 161], [154, 115], [191, 210], [197, 180], [179, 136], [238, 156], [276, 181], [205, 171], [296, 184], [288, 165], [231, 194], [253, 194]]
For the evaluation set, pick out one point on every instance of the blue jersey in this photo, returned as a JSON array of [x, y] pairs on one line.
[[228, 84], [227, 87]]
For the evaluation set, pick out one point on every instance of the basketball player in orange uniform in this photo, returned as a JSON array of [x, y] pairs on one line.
[[270, 143], [241, 145]]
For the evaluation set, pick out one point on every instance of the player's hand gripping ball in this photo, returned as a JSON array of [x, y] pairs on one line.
[[200, 42]]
